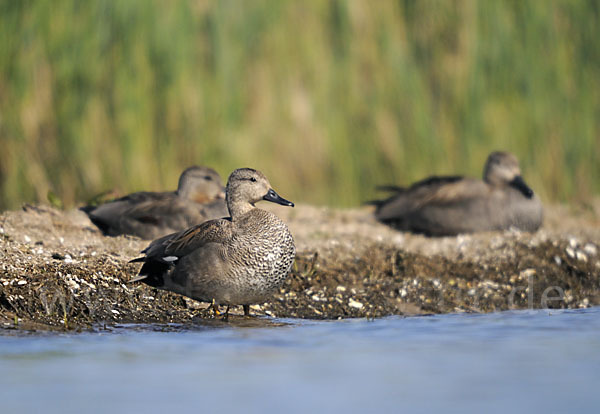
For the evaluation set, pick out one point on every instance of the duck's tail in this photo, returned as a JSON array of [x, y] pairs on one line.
[[386, 188], [152, 272], [137, 278]]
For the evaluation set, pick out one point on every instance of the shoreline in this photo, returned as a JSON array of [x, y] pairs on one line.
[[59, 272]]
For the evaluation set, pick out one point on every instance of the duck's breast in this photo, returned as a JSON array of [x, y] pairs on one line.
[[519, 211]]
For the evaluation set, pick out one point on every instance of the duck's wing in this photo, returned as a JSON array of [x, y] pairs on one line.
[[152, 210], [451, 191], [175, 212], [145, 196], [173, 246], [433, 191], [164, 253], [436, 181], [164, 215], [108, 216], [398, 191]]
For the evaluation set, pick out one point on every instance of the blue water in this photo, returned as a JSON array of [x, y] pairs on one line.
[[528, 361]]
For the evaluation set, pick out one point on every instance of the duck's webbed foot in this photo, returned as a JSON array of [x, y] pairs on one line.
[[212, 311]]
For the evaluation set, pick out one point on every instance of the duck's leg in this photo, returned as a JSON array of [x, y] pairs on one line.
[[246, 310], [215, 308], [226, 316], [211, 311]]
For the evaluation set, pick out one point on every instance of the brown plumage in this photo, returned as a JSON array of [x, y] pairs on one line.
[[199, 197], [441, 206], [239, 260]]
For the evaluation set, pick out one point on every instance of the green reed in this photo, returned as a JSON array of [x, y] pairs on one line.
[[328, 98]]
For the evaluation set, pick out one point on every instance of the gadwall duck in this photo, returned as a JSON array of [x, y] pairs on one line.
[[199, 197], [443, 206], [238, 260]]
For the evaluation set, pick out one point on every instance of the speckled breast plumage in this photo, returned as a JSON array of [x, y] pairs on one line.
[[261, 255]]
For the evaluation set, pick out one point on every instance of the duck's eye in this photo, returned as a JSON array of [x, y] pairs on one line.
[[253, 179], [208, 177]]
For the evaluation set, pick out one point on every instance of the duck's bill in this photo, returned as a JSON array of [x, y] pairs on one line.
[[273, 197], [520, 185]]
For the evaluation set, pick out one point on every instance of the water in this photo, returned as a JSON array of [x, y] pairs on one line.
[[528, 361]]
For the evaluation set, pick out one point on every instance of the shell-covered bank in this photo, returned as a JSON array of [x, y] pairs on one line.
[[57, 270]]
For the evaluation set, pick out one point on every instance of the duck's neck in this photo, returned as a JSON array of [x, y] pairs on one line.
[[491, 179], [184, 192], [238, 208]]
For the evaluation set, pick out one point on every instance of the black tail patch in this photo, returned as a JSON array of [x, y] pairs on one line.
[[87, 209], [154, 272], [103, 226]]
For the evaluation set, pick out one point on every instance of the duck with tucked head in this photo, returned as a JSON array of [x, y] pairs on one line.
[[444, 206], [238, 260]]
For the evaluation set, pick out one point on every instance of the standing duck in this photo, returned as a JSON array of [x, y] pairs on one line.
[[238, 260]]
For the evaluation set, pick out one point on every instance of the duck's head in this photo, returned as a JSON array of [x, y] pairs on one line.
[[200, 184], [502, 168], [246, 186]]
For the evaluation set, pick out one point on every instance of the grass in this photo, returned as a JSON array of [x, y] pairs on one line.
[[328, 98]]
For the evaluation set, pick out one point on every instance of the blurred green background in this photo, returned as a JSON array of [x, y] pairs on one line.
[[328, 98]]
